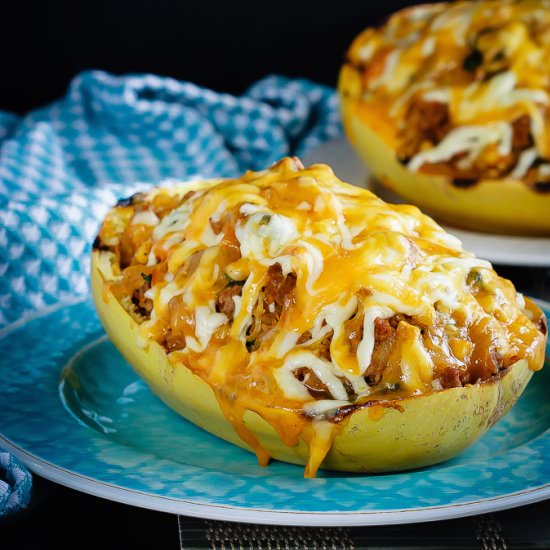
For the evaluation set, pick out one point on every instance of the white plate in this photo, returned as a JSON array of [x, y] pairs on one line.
[[499, 249]]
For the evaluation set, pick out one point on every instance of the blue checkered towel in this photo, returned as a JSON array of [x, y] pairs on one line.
[[62, 166], [15, 485]]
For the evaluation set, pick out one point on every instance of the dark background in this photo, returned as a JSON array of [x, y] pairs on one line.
[[223, 45]]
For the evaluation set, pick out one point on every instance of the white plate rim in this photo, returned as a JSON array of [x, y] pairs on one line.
[[264, 516]]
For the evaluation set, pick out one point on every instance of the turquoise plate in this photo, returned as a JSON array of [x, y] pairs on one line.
[[74, 411]]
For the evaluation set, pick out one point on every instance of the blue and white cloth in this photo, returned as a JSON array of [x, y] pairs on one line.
[[63, 166], [15, 485]]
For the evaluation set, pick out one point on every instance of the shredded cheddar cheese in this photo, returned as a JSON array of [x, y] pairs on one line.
[[293, 313]]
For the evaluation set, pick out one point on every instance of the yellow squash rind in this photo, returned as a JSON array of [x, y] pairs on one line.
[[501, 206]]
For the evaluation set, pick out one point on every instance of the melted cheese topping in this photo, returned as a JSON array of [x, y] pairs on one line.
[[482, 64], [292, 312]]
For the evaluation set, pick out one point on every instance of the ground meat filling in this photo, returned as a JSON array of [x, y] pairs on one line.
[[304, 337], [428, 122], [224, 301], [180, 323], [384, 341], [131, 289], [323, 348], [542, 325], [485, 360], [385, 338], [216, 225], [173, 342], [143, 305], [425, 121], [315, 387], [278, 293], [450, 378], [521, 133]]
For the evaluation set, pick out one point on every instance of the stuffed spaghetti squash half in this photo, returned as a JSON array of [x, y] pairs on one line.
[[304, 319], [448, 105]]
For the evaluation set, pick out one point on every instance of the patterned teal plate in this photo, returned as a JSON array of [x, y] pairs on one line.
[[74, 411]]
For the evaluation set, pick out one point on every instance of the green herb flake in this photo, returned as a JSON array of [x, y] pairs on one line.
[[251, 345], [539, 161], [233, 282], [474, 278], [472, 61], [147, 278], [393, 386]]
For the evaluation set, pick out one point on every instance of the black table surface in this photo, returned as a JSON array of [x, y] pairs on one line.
[[63, 518]]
